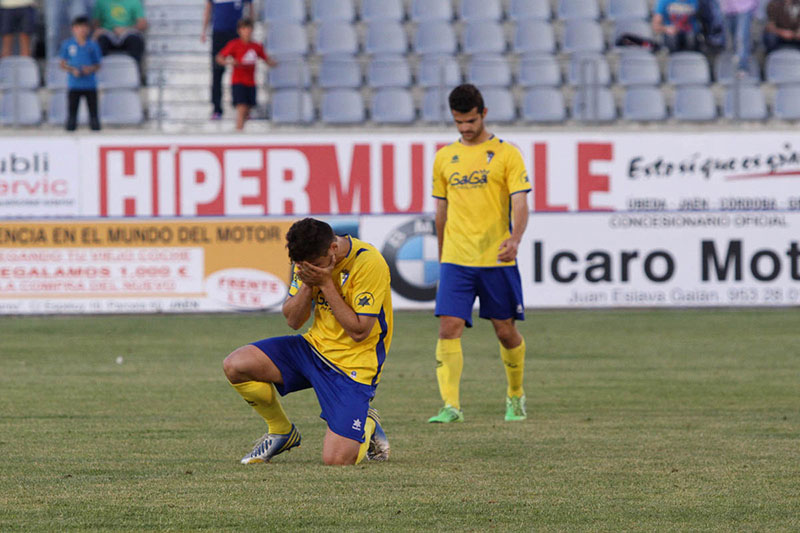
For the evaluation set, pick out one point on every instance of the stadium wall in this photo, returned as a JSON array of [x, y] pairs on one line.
[[160, 224]]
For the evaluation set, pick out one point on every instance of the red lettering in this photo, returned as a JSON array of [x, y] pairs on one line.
[[589, 183], [417, 179], [326, 180], [540, 180]]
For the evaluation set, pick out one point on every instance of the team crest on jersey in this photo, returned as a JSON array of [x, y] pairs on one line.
[[455, 159], [345, 274], [489, 156], [365, 299]]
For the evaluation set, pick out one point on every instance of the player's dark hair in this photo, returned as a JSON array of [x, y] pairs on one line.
[[308, 239], [245, 22], [80, 20], [465, 98]]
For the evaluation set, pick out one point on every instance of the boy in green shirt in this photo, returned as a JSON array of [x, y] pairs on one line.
[[120, 24]]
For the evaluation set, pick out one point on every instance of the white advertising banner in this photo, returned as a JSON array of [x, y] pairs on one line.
[[620, 259], [389, 173], [39, 177]]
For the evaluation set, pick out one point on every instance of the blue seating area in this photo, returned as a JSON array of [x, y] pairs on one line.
[[537, 61], [22, 100], [525, 54]]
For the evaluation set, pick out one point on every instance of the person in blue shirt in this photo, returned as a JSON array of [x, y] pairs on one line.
[[677, 21], [81, 58], [224, 15]]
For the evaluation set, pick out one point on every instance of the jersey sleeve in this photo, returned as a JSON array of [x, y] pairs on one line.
[[516, 174], [439, 180], [370, 285], [227, 50], [261, 53], [296, 283], [62, 53]]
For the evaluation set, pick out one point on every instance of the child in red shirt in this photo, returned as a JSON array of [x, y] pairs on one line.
[[243, 54]]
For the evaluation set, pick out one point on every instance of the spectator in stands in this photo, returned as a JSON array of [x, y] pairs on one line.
[[81, 58], [120, 24], [739, 16], [243, 54], [677, 21], [17, 17], [783, 24], [223, 15]]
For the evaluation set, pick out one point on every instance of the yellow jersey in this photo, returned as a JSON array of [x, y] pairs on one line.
[[478, 182], [363, 281]]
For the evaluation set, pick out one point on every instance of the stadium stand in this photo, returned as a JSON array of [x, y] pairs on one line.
[[334, 10], [542, 54], [644, 104], [544, 105], [372, 10], [292, 11]]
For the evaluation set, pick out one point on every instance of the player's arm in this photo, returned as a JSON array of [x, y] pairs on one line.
[[297, 308], [440, 220], [355, 325], [519, 217]]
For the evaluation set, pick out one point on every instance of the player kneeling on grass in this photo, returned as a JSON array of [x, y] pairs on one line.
[[346, 283], [243, 54]]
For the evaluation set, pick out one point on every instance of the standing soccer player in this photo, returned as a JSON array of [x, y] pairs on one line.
[[346, 282], [480, 185]]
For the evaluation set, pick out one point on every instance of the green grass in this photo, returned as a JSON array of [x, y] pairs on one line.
[[647, 421]]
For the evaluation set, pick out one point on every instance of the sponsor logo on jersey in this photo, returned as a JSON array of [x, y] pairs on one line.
[[476, 179]]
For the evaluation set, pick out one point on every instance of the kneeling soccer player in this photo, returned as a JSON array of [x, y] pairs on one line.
[[346, 282]]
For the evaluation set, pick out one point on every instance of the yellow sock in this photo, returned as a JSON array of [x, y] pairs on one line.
[[514, 361], [449, 363], [369, 429], [264, 399]]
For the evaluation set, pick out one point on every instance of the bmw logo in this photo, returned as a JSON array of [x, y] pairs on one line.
[[412, 252]]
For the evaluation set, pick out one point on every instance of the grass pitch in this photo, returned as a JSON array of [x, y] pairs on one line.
[[648, 421]]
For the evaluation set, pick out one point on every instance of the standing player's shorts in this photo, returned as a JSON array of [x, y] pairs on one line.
[[498, 288], [344, 402], [243, 94]]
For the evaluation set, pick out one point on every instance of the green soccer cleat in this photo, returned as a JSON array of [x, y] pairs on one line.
[[270, 445], [378, 444], [446, 415], [515, 408]]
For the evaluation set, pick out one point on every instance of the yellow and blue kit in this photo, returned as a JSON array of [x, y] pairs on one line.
[[343, 373], [478, 181]]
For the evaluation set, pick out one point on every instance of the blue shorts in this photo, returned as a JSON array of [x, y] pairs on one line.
[[498, 288], [243, 94], [344, 402]]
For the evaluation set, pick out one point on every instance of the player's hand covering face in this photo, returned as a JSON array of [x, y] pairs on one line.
[[318, 272]]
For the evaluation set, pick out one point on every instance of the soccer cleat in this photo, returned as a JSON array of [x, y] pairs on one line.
[[378, 443], [515, 408], [270, 445], [446, 415]]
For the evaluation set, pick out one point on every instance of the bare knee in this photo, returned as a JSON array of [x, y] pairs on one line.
[[234, 366], [451, 327], [507, 333]]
